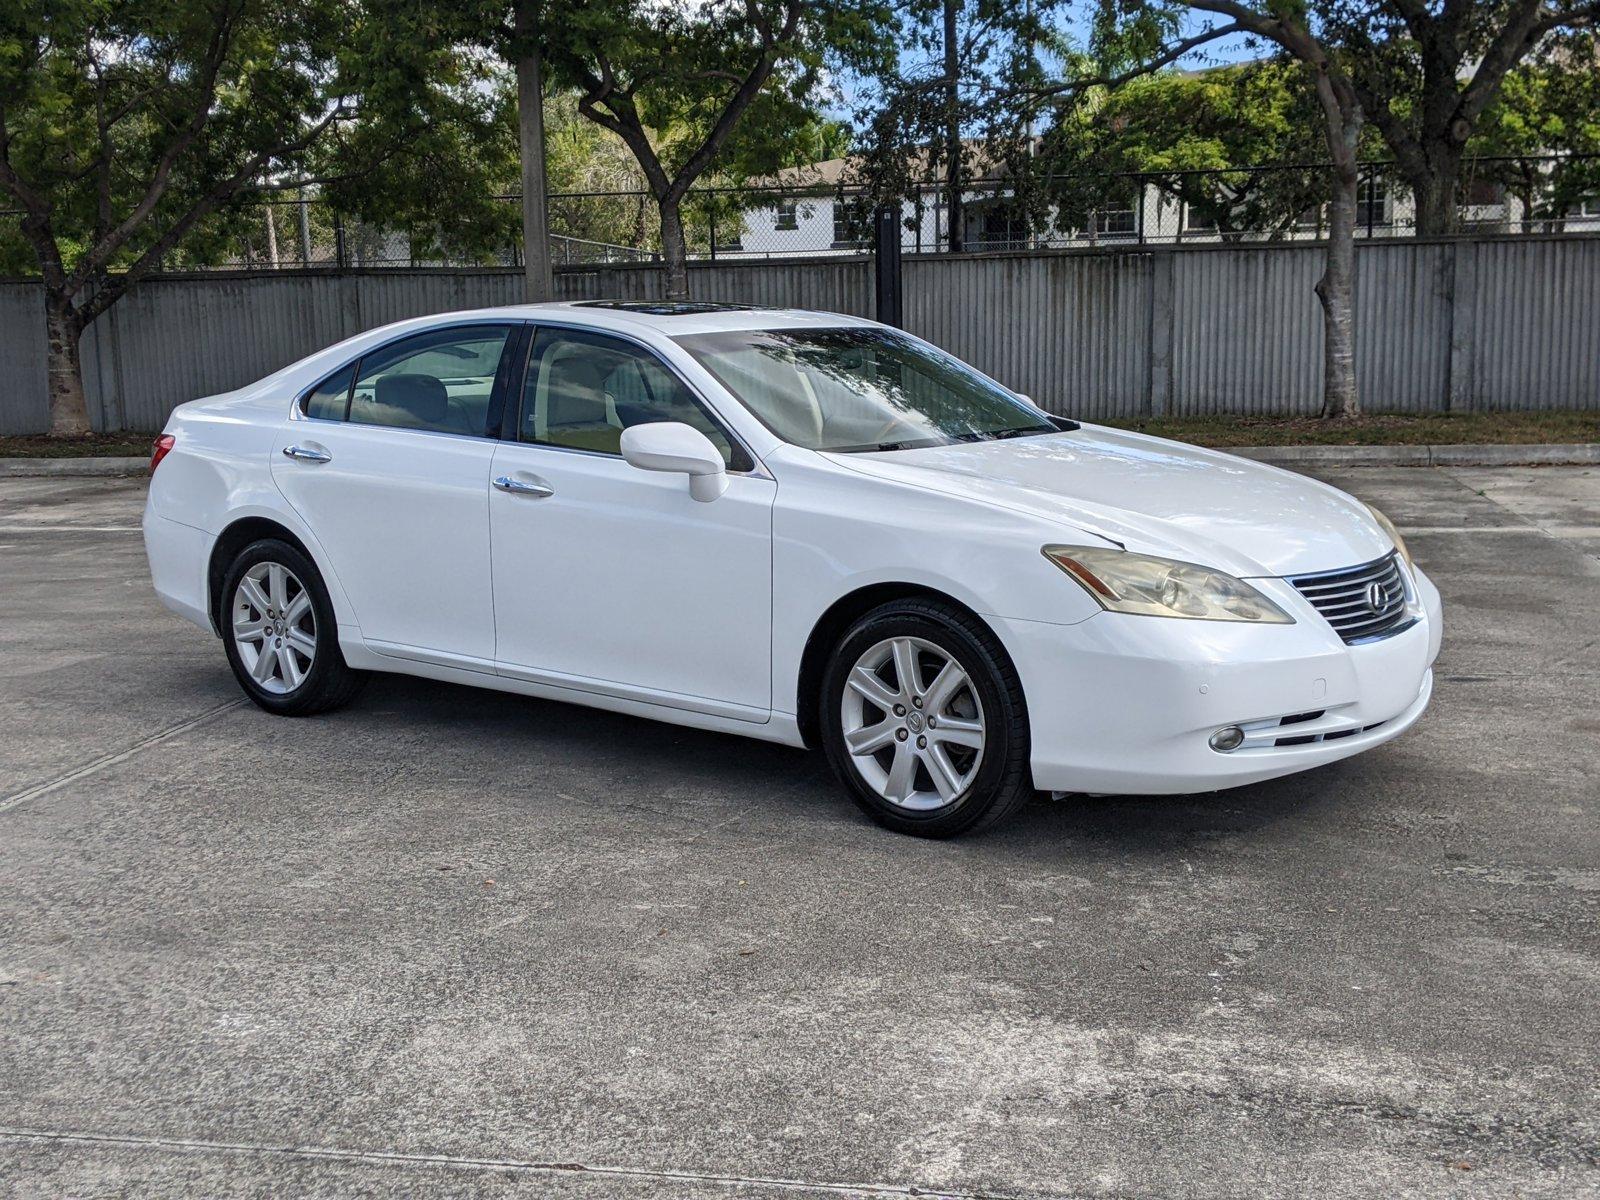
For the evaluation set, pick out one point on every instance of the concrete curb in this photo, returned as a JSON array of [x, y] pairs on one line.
[[18, 468], [1577, 454]]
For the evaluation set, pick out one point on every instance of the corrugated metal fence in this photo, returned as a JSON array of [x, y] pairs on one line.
[[1444, 326]]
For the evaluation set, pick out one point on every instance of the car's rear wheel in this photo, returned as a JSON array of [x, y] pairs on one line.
[[281, 636], [924, 721]]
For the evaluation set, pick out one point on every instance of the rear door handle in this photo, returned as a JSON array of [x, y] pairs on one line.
[[521, 487], [305, 454]]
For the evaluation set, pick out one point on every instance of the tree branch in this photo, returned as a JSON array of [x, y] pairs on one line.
[[113, 287], [1518, 35], [1168, 56], [755, 79], [619, 116], [106, 247]]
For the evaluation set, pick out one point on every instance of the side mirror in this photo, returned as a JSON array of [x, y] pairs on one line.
[[674, 446]]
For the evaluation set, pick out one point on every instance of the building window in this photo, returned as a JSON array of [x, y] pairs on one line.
[[852, 223], [1372, 200], [1589, 207], [1003, 225], [785, 217], [1195, 221], [1115, 222], [1483, 193]]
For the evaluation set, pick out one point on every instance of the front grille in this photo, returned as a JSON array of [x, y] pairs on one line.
[[1361, 603]]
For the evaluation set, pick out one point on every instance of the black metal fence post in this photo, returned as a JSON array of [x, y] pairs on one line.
[[886, 263], [338, 240]]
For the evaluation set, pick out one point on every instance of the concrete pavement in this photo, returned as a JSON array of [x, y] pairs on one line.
[[450, 942]]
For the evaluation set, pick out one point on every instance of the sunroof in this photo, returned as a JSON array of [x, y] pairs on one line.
[[665, 308]]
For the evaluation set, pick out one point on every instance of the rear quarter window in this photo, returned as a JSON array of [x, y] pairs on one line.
[[330, 399]]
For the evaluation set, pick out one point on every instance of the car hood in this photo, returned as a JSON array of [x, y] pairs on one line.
[[1152, 496]]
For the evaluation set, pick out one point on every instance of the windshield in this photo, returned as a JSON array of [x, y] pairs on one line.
[[861, 389]]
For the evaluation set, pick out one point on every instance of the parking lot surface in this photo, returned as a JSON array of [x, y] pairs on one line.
[[457, 942]]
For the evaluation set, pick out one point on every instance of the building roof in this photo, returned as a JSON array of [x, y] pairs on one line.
[[926, 163]]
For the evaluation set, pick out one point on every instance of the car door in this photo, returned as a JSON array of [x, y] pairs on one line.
[[614, 579], [388, 462]]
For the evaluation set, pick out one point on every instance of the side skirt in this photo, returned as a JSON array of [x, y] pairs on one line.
[[368, 656]]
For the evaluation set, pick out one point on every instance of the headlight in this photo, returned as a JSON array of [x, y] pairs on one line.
[[1394, 534], [1160, 587]]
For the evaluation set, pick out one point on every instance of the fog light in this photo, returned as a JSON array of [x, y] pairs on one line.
[[1227, 739]]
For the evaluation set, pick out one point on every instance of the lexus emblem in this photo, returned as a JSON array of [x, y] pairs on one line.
[[1376, 597]]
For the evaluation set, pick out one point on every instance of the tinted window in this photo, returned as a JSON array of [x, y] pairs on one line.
[[440, 380], [861, 389], [330, 397], [583, 389]]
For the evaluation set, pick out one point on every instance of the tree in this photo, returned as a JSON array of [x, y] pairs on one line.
[[704, 77], [126, 127], [1426, 74], [528, 54], [1545, 107], [944, 106], [1291, 29], [1195, 137], [954, 149], [1132, 38]]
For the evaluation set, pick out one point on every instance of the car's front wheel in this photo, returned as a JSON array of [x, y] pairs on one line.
[[280, 632], [924, 721]]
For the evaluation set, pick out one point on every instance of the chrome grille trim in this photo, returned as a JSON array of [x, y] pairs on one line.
[[1342, 599]]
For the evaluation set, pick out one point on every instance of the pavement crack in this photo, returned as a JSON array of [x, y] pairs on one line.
[[530, 1166], [110, 760]]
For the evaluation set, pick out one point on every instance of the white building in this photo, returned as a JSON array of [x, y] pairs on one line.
[[820, 216]]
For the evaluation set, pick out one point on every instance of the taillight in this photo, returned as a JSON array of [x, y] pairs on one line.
[[159, 449]]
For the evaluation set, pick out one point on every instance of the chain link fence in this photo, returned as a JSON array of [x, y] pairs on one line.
[[1546, 194]]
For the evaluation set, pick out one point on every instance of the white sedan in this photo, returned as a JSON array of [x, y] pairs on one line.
[[796, 526]]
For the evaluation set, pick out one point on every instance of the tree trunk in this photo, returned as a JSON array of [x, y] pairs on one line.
[[954, 217], [674, 252], [1435, 193], [69, 409], [1336, 290], [540, 281], [305, 230]]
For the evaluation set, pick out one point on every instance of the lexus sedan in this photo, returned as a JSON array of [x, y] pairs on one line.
[[795, 526]]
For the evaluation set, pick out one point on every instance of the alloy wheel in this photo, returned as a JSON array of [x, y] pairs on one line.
[[274, 627], [913, 723]]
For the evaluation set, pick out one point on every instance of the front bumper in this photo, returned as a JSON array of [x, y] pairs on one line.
[[1125, 704]]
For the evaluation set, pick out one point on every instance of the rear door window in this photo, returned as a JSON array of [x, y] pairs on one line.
[[440, 381]]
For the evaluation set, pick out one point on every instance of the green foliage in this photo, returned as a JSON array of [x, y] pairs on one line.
[[1429, 77], [1549, 106], [134, 131], [1191, 136], [1003, 56], [676, 71]]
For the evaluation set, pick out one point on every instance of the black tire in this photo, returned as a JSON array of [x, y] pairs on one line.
[[1003, 779], [329, 683]]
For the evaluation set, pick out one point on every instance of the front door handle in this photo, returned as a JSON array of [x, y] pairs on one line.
[[305, 454], [522, 487]]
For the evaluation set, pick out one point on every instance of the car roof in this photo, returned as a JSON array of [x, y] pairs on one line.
[[673, 318]]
